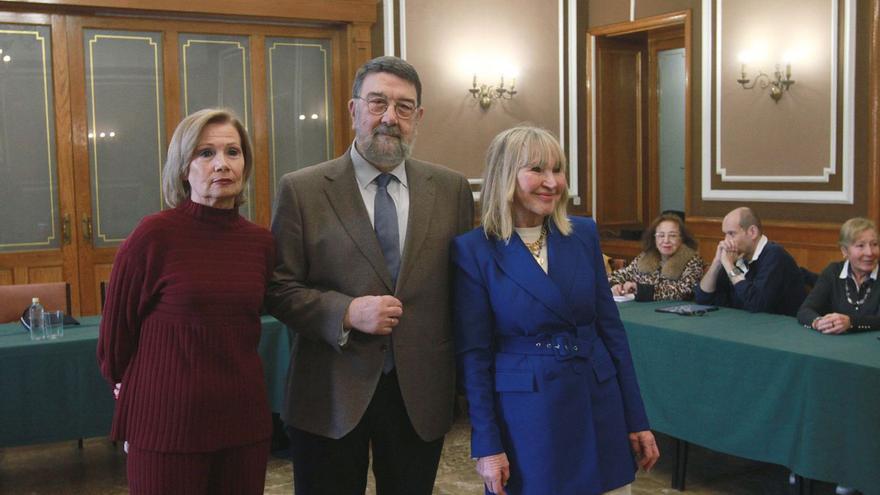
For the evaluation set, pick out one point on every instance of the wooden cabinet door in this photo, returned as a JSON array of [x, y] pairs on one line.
[[36, 177], [89, 103], [118, 106], [133, 79]]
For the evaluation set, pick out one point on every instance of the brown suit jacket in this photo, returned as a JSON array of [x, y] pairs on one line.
[[327, 255]]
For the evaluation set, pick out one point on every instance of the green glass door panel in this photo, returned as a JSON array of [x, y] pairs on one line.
[[215, 72], [124, 100], [29, 218], [300, 104]]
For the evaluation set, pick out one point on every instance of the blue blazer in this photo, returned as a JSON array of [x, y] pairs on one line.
[[545, 363]]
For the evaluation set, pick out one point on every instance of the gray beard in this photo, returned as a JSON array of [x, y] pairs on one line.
[[382, 158]]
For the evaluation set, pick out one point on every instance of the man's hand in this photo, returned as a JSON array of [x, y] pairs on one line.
[[719, 253], [729, 254], [495, 471], [375, 315]]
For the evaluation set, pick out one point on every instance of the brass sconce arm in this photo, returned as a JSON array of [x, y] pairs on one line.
[[778, 83], [486, 94]]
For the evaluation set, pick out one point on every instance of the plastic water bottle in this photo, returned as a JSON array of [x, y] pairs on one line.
[[35, 314]]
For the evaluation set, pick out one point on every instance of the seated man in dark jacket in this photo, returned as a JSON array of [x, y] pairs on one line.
[[749, 272]]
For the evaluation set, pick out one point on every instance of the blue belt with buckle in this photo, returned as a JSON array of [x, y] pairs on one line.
[[563, 346]]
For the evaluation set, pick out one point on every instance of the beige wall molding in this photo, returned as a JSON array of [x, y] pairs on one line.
[[567, 28], [536, 101], [712, 10]]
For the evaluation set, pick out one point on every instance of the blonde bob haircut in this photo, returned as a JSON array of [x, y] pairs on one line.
[[511, 150], [182, 150], [852, 228]]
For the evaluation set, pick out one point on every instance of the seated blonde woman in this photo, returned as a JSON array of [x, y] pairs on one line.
[[842, 300], [669, 267]]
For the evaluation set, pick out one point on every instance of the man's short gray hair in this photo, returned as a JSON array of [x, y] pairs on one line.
[[391, 65]]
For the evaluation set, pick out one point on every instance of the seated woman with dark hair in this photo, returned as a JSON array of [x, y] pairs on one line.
[[669, 267], [846, 297]]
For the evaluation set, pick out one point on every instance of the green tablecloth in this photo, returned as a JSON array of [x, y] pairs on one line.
[[52, 391], [762, 387]]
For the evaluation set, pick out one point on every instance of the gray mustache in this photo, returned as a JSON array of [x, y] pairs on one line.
[[387, 130]]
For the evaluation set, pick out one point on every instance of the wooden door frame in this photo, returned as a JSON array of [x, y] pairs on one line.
[[665, 41], [681, 18]]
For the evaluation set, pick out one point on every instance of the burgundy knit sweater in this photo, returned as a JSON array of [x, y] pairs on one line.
[[180, 331]]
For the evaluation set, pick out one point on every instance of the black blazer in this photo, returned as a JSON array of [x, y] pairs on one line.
[[829, 296]]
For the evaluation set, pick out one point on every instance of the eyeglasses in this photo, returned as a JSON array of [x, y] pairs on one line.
[[378, 106], [672, 236]]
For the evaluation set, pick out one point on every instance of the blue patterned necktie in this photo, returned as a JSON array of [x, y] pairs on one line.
[[385, 221], [388, 234]]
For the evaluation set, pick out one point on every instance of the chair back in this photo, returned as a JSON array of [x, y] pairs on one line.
[[15, 298]]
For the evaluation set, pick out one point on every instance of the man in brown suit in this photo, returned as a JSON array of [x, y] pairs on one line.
[[363, 279]]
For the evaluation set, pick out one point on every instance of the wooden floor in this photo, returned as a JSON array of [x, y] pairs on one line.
[[99, 468]]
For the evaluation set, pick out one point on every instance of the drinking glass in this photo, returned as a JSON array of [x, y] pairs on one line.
[[54, 321]]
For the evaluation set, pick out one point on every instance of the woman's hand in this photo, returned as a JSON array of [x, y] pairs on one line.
[[495, 471], [644, 446], [116, 390], [832, 323], [625, 288]]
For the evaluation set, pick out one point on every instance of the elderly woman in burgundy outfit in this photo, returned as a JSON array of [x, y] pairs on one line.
[[181, 323]]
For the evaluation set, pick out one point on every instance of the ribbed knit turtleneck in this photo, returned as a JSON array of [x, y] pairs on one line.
[[181, 327], [227, 217]]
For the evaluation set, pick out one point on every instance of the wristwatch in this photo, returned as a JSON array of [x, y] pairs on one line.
[[736, 272]]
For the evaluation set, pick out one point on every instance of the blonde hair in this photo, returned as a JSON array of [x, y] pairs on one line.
[[183, 146], [852, 228], [510, 151]]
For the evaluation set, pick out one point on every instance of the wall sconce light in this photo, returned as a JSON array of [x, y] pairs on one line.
[[486, 94], [778, 83]]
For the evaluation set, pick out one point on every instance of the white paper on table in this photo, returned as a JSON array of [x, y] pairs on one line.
[[625, 298]]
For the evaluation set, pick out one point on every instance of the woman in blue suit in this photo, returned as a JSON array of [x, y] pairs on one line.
[[543, 357]]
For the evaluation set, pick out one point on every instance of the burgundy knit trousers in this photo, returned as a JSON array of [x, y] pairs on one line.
[[237, 470]]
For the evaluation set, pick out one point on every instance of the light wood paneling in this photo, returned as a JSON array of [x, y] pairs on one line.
[[5, 276], [619, 248], [43, 274]]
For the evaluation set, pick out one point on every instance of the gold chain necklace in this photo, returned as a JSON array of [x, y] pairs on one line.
[[535, 247]]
